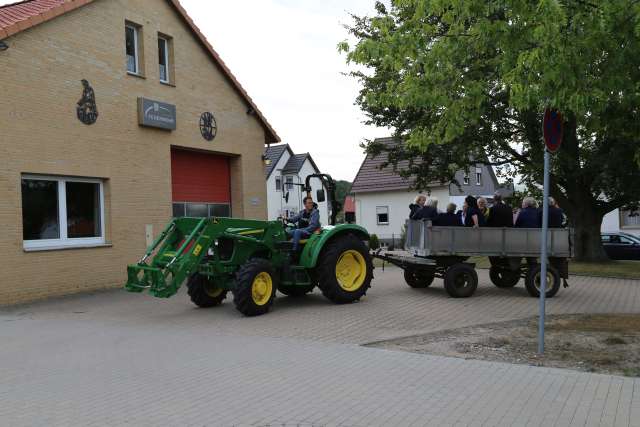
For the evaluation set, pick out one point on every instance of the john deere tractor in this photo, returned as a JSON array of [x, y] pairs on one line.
[[253, 259]]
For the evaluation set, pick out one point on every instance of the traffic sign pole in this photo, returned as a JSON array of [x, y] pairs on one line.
[[543, 254]]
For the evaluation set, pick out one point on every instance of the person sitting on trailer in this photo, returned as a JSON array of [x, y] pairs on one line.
[[429, 211], [483, 208], [500, 215], [470, 215], [307, 222], [556, 215], [418, 203], [529, 216], [448, 218]]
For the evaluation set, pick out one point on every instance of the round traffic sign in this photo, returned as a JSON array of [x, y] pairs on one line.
[[552, 129]]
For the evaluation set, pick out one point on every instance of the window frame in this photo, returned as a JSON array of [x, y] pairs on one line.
[[279, 184], [210, 207], [64, 242], [289, 182], [478, 176], [167, 59], [378, 222], [465, 178], [136, 45]]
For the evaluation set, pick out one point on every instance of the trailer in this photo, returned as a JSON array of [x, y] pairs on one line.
[[443, 252]]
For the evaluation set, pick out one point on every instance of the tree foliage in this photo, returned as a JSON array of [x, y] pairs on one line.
[[466, 81]]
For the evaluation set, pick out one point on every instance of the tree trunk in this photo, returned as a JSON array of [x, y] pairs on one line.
[[587, 243]]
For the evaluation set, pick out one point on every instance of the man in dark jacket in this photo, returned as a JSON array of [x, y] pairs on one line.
[[556, 216], [449, 218], [429, 211], [529, 216], [500, 215], [307, 222]]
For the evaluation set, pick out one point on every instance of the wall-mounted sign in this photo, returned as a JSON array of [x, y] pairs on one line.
[[156, 114], [86, 108], [208, 126]]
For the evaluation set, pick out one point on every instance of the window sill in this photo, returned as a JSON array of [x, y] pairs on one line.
[[167, 84], [140, 76], [64, 248]]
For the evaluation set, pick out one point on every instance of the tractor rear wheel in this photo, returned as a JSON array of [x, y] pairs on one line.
[[204, 292], [418, 278], [344, 270], [503, 278], [295, 291], [255, 287]]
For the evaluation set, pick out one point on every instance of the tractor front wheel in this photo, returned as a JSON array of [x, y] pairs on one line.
[[204, 292], [255, 287], [344, 270]]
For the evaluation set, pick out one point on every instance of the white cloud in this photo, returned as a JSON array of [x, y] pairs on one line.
[[284, 54]]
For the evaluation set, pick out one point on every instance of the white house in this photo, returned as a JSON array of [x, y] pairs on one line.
[[621, 220], [286, 173], [382, 196]]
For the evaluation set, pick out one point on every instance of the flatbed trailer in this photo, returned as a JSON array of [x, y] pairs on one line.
[[443, 252]]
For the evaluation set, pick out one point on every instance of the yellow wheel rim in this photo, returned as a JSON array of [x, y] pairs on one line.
[[213, 290], [351, 270], [262, 288]]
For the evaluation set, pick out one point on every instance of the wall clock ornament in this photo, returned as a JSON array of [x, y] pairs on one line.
[[208, 126]]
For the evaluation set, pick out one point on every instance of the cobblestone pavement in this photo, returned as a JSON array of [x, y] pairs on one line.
[[114, 358]]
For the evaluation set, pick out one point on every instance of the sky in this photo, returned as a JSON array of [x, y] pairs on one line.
[[284, 53]]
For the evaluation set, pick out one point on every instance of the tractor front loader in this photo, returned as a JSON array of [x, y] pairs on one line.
[[253, 259]]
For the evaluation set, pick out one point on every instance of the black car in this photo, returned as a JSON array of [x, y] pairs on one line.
[[621, 246]]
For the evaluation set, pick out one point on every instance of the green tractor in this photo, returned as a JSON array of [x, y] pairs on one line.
[[253, 259]]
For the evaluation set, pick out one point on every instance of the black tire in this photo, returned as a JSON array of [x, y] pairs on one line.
[[204, 292], [340, 253], [460, 280], [295, 291], [503, 278], [255, 287], [532, 281], [418, 278]]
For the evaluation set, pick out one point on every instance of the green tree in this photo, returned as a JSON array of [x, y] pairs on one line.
[[466, 81], [342, 191]]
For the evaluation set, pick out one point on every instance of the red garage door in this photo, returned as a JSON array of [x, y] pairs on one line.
[[200, 183]]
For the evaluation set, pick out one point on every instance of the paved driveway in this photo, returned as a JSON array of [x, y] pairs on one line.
[[114, 358]]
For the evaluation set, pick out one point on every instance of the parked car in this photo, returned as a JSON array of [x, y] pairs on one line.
[[621, 246]]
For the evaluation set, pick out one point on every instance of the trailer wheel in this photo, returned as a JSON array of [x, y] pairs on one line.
[[504, 278], [418, 278], [344, 270], [460, 280], [532, 281], [204, 292], [255, 287], [295, 291]]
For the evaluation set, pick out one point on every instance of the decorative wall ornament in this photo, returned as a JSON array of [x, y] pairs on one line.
[[87, 109], [208, 126]]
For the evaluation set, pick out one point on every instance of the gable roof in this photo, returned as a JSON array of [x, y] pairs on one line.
[[20, 16], [274, 154], [371, 178]]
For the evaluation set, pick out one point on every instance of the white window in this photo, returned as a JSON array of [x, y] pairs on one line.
[[289, 181], [163, 58], [278, 183], [465, 178], [478, 176], [630, 219], [382, 215], [62, 212], [203, 209], [131, 43]]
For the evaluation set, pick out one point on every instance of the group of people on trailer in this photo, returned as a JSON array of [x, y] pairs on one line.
[[478, 213]]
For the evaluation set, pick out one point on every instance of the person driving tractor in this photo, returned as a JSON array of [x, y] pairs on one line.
[[307, 221]]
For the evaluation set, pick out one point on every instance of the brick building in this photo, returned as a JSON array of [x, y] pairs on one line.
[[104, 135]]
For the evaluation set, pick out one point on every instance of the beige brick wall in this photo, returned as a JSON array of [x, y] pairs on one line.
[[39, 133]]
